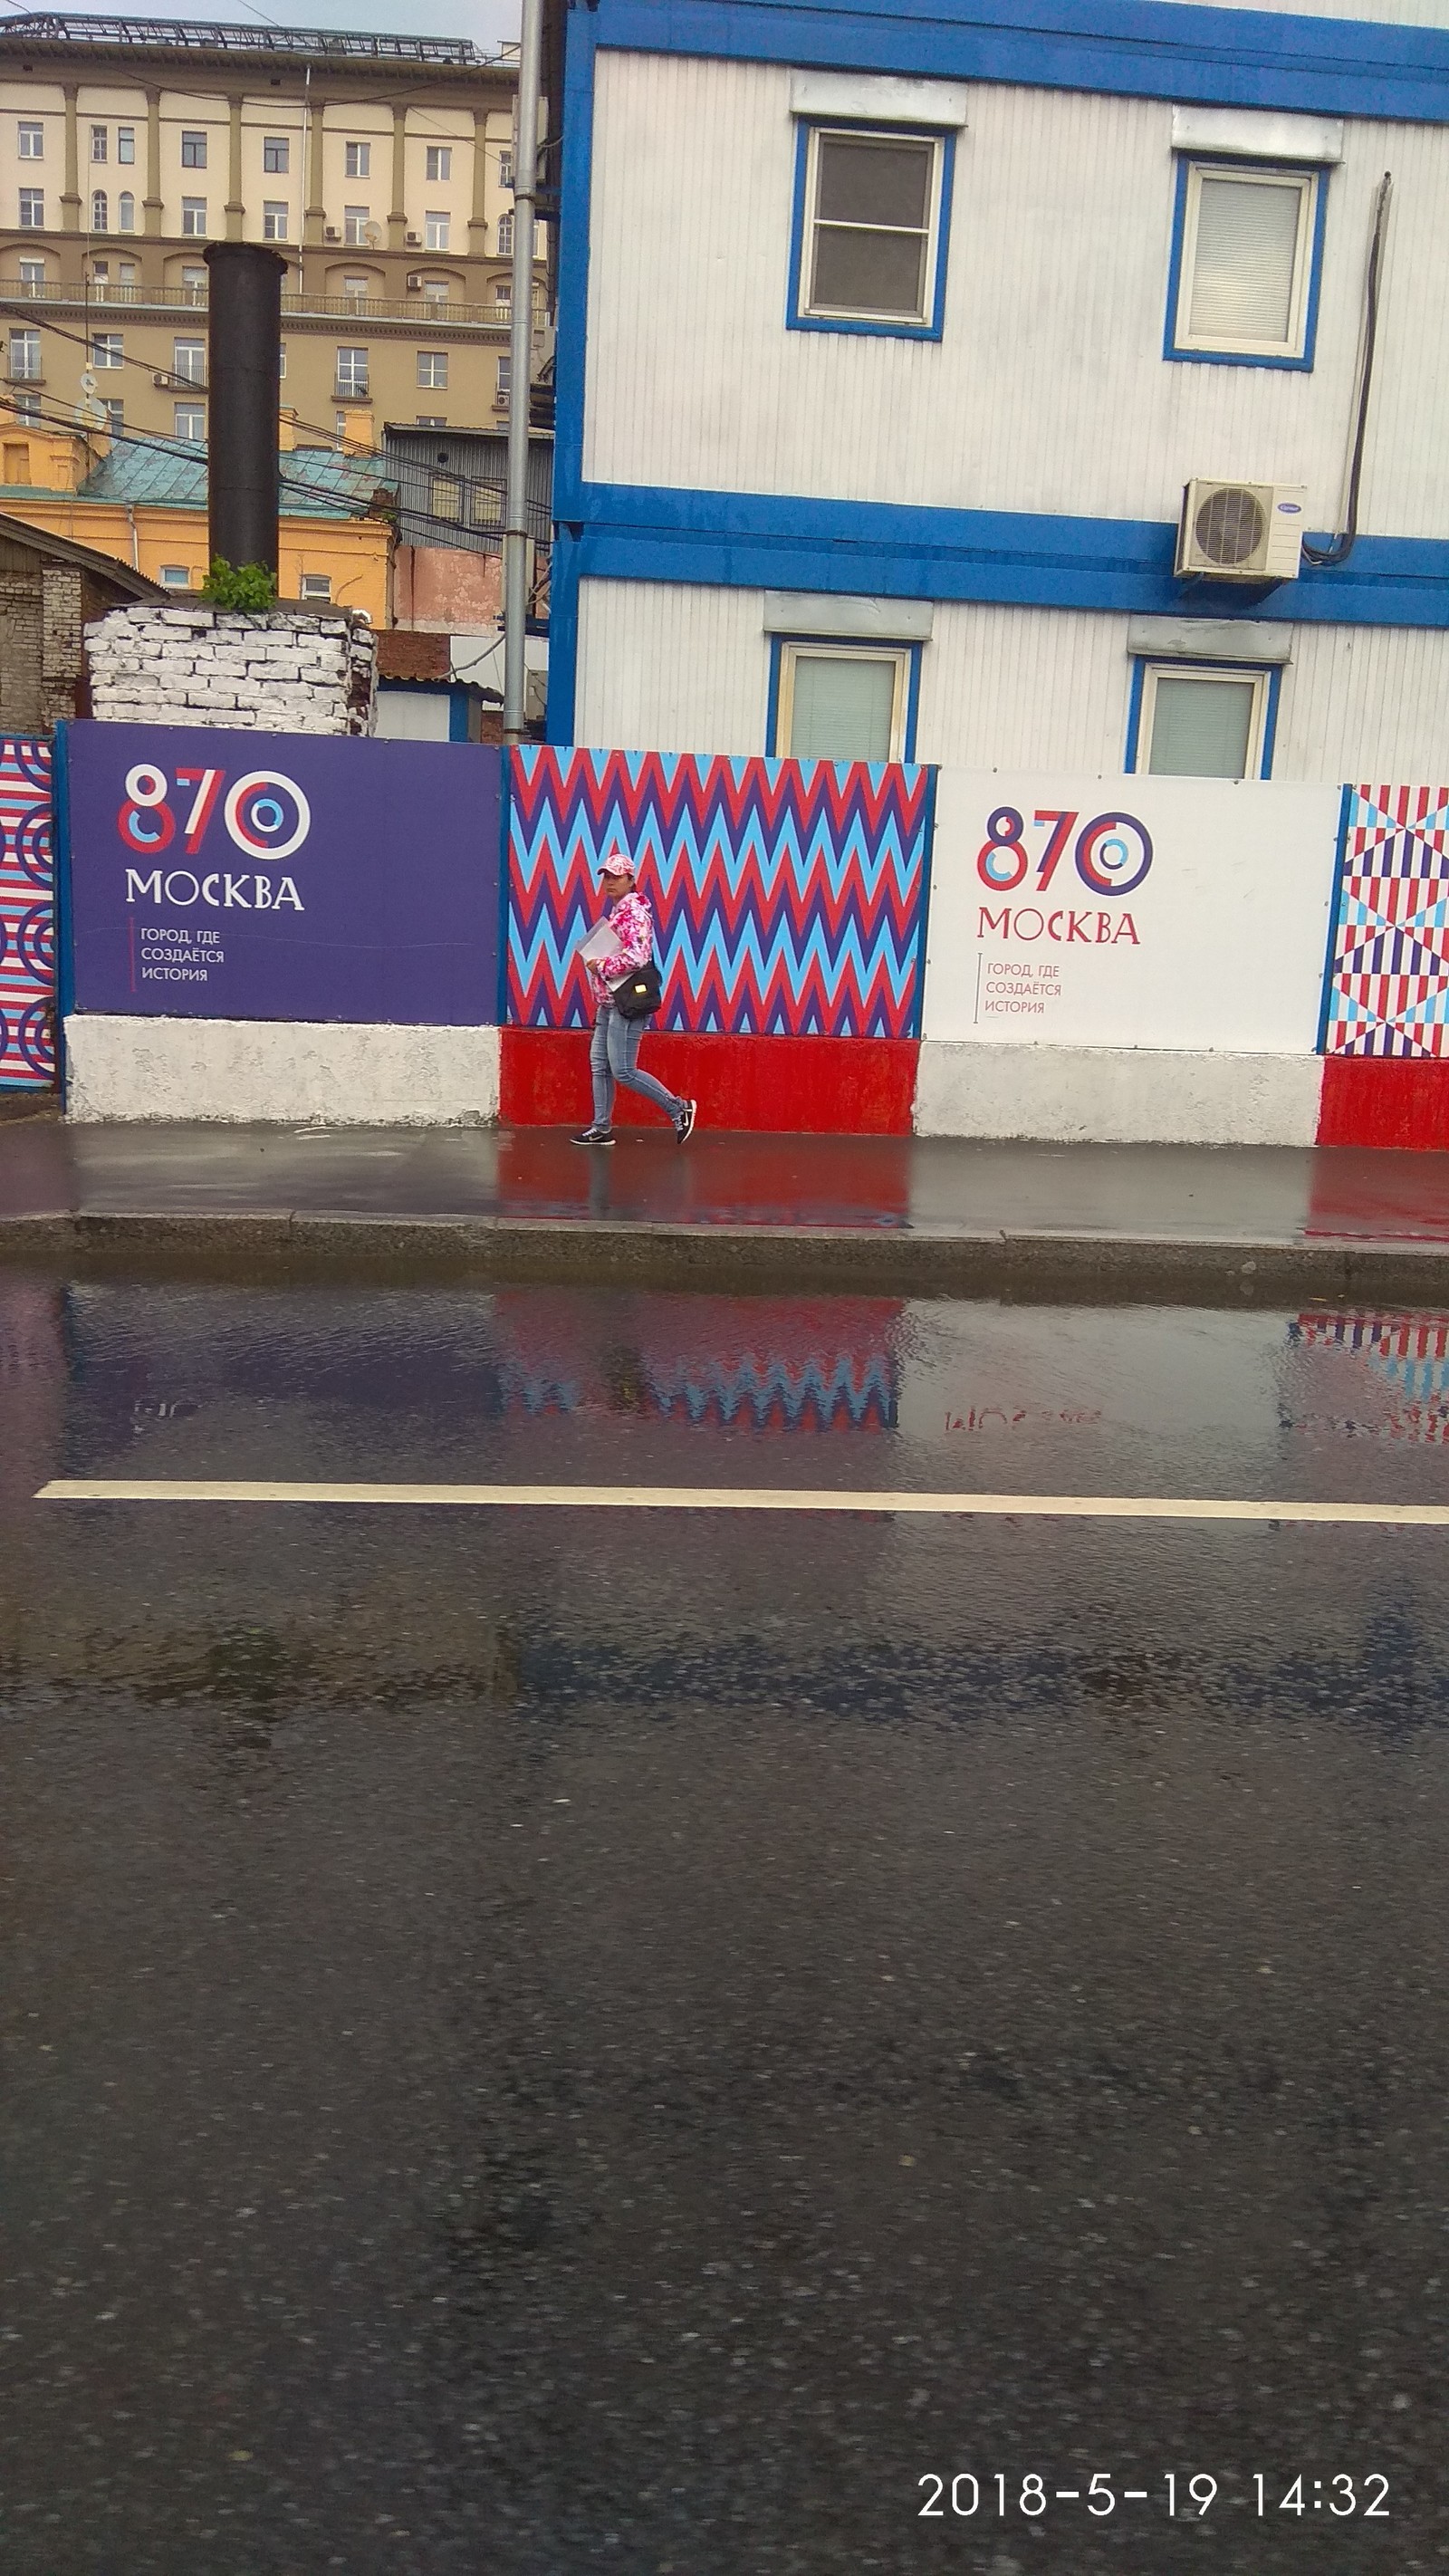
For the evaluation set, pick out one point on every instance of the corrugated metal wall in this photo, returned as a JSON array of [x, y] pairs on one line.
[[678, 669], [1049, 391], [663, 667]]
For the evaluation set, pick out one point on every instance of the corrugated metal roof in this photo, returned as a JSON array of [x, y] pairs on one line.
[[317, 482]]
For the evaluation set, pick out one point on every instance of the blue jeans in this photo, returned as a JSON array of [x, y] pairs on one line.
[[614, 1057]]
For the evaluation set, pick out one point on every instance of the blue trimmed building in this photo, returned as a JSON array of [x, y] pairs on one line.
[[890, 341]]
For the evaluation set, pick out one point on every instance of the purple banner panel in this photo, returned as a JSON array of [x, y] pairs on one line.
[[255, 876], [27, 919]]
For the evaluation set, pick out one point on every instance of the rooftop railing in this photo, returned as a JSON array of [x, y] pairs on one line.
[[54, 27]]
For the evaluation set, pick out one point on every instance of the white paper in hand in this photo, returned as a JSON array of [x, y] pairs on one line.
[[601, 942]]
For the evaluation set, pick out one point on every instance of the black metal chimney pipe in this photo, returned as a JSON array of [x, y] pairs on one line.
[[245, 334]]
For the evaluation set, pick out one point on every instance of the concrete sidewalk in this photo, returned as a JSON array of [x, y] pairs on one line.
[[904, 1216]]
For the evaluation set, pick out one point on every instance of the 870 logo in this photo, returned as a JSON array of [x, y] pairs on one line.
[[266, 815], [1113, 852]]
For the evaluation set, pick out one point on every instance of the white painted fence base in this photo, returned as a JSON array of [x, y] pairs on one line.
[[280, 1070], [1115, 1096]]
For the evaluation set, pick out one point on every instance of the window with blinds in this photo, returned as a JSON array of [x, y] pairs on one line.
[[1198, 723], [842, 702], [1245, 274]]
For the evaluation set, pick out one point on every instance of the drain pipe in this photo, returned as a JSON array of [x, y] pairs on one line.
[[516, 546], [243, 481]]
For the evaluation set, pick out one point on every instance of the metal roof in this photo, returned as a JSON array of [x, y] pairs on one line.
[[53, 27], [317, 482]]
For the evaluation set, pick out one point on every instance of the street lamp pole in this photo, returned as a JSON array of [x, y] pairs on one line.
[[517, 548]]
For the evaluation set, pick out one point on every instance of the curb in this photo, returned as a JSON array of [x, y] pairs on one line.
[[1024, 1268]]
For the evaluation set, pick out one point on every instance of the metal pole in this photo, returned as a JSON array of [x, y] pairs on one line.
[[517, 548]]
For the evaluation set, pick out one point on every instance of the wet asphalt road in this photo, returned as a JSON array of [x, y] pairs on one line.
[[540, 2042]]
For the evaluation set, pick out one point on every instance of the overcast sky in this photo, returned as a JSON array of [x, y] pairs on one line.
[[487, 22]]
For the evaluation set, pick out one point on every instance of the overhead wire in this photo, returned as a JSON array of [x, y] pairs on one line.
[[56, 416], [469, 483]]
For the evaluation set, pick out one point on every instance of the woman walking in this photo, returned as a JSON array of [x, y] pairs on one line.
[[614, 1053]]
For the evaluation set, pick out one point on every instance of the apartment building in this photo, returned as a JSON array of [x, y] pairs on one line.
[[379, 166], [1005, 388]]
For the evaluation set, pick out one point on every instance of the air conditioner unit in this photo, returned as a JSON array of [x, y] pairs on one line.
[[415, 281], [415, 241], [331, 233], [1240, 531]]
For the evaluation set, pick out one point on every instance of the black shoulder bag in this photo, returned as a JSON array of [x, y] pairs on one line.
[[639, 993]]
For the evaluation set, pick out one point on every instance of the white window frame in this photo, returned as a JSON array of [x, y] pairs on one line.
[[353, 381], [276, 219], [357, 160], [108, 349], [436, 229], [315, 585], [100, 211], [1209, 673], [924, 316], [192, 411], [32, 210], [433, 370], [792, 647], [31, 140], [356, 225], [188, 361], [175, 577], [193, 219], [126, 211], [126, 145], [1266, 174], [438, 165], [100, 143], [25, 346]]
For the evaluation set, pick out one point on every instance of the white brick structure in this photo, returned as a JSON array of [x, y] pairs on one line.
[[282, 671]]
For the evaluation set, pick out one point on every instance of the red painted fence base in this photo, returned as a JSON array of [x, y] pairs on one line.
[[761, 1086], [1378, 1100]]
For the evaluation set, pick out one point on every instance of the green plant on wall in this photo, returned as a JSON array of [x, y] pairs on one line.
[[246, 586]]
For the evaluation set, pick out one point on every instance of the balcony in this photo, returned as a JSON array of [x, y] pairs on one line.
[[416, 311]]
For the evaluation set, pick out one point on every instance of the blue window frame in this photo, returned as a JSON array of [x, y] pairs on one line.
[[904, 686], [1247, 261], [870, 227], [1163, 725]]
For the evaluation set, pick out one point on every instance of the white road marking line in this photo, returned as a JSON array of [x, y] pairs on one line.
[[749, 1498]]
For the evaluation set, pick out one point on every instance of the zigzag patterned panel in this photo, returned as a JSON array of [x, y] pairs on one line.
[[1389, 981], [27, 919], [789, 896], [773, 1366]]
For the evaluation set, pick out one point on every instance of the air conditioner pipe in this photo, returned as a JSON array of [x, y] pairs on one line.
[[243, 480], [1340, 547]]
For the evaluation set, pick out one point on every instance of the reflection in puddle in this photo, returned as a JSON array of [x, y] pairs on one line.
[[765, 1364], [1368, 1376]]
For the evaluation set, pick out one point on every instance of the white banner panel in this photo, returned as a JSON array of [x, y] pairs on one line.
[[1129, 912]]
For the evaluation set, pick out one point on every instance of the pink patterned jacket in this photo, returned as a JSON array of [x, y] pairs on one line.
[[632, 923]]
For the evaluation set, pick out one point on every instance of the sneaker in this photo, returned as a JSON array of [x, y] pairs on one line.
[[594, 1136], [684, 1123]]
